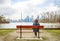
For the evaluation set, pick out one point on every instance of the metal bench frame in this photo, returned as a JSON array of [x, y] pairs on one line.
[[27, 26]]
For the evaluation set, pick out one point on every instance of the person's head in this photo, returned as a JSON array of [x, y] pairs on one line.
[[36, 20]]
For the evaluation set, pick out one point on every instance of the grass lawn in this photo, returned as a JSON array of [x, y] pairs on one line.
[[55, 33], [5, 32], [30, 40]]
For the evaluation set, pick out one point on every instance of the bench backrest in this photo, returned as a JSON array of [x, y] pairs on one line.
[[27, 26]]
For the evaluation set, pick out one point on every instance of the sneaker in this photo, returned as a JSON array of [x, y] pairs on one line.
[[41, 38]]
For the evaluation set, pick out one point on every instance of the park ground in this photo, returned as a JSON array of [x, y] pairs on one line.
[[13, 35]]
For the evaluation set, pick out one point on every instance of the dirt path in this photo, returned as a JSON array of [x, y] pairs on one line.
[[13, 36]]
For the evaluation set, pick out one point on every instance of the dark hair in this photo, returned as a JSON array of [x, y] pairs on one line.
[[36, 20]]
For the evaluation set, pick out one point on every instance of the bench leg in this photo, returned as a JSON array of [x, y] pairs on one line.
[[20, 32]]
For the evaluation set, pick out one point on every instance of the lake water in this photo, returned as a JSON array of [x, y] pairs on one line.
[[46, 25]]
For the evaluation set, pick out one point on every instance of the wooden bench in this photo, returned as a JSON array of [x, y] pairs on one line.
[[27, 26]]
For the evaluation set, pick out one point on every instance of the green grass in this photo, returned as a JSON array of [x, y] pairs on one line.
[[54, 32], [5, 32], [29, 40]]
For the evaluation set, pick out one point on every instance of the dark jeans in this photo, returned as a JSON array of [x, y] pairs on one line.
[[36, 31]]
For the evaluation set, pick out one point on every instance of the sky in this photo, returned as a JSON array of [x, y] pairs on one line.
[[13, 9]]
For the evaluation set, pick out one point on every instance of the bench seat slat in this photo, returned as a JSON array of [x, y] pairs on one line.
[[19, 26]]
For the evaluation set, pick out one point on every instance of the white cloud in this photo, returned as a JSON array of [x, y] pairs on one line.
[[15, 16], [19, 6], [5, 3], [49, 8], [34, 2], [52, 7], [28, 8], [26, 3]]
